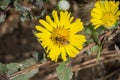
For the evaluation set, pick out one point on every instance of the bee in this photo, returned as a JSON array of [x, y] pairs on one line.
[[61, 40], [58, 39]]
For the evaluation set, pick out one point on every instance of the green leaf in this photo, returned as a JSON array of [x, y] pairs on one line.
[[43, 12], [93, 49], [26, 76], [12, 67], [87, 31], [39, 56], [29, 62], [3, 68], [64, 71], [2, 17], [95, 36], [15, 67], [36, 55], [99, 53], [4, 72], [4, 4], [39, 4], [95, 33]]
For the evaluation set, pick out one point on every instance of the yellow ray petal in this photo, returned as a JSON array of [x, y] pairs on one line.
[[56, 19], [97, 26], [69, 52], [49, 20], [63, 53], [78, 43], [58, 52], [43, 35], [61, 19], [76, 27], [41, 29], [46, 25], [52, 53], [74, 50]]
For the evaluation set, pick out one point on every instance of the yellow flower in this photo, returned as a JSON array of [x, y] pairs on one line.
[[60, 37], [105, 13]]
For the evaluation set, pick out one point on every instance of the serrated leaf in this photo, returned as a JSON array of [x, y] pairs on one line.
[[12, 67], [87, 31], [3, 68], [26, 76], [99, 52], [15, 67], [2, 17], [38, 4], [28, 62], [94, 48], [39, 56], [36, 55], [4, 4], [43, 12], [94, 33], [44, 58], [64, 71]]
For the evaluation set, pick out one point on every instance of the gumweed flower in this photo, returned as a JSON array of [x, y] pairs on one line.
[[63, 5], [105, 13], [60, 35]]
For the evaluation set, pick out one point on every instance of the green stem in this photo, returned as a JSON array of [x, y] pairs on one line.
[[99, 53], [95, 37]]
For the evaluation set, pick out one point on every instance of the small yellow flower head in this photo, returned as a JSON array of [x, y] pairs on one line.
[[105, 13], [60, 36]]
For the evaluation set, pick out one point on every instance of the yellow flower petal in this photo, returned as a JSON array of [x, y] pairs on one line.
[[60, 38], [52, 53], [77, 41], [48, 19], [76, 27], [105, 13], [71, 19], [63, 53], [56, 19], [43, 35], [69, 52], [46, 25], [58, 52], [41, 29]]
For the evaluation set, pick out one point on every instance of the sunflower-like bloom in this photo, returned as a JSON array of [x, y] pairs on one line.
[[60, 37], [105, 13]]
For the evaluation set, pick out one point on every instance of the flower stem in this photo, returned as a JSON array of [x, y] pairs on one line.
[[99, 53]]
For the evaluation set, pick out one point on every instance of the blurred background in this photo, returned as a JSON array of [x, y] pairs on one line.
[[18, 19], [17, 41]]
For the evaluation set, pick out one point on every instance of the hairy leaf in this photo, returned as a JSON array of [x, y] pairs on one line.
[[64, 71], [3, 68]]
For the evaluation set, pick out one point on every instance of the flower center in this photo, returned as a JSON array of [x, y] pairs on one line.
[[60, 36], [108, 20]]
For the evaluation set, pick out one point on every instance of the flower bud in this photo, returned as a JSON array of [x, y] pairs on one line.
[[63, 5]]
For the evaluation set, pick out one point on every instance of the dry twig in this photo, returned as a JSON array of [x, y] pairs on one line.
[[105, 57]]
